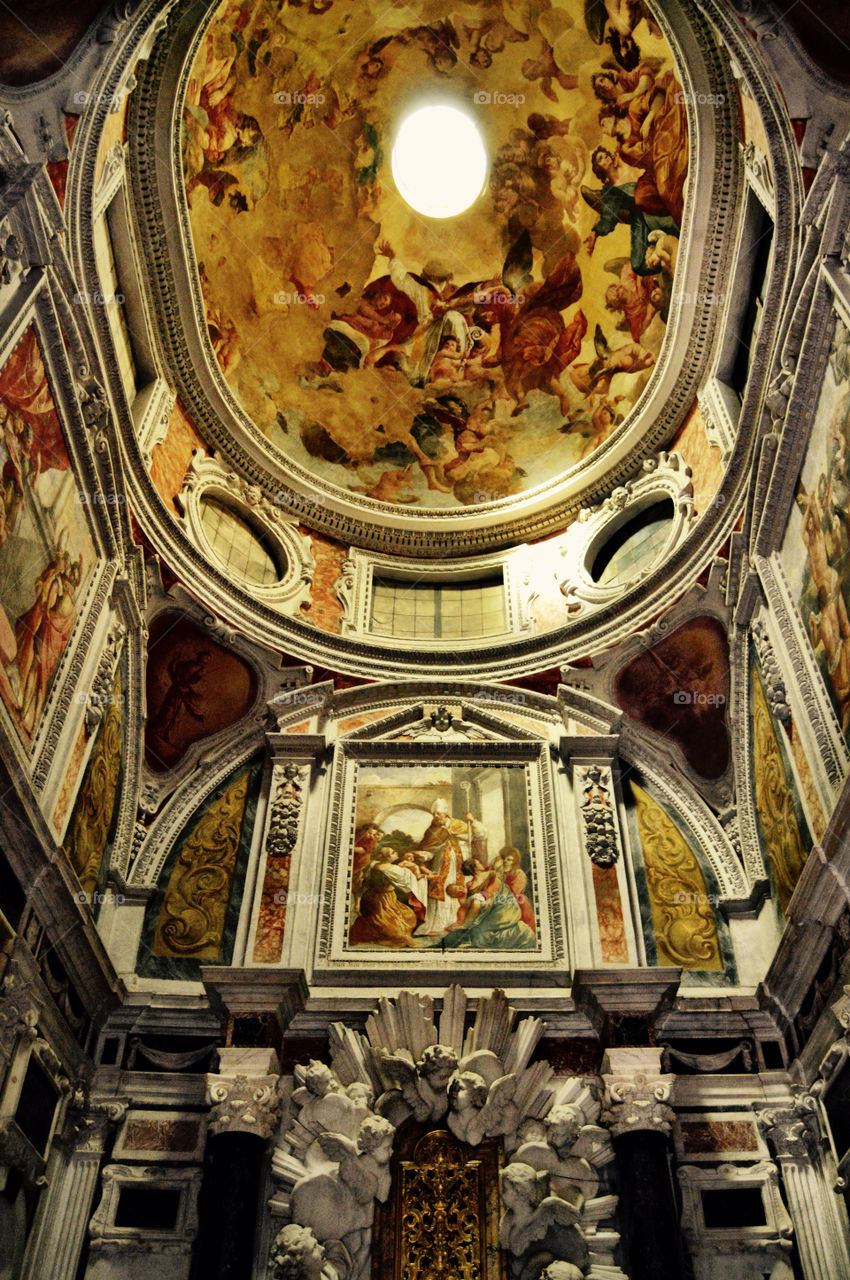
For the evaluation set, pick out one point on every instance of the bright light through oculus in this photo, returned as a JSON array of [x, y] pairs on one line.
[[439, 161]]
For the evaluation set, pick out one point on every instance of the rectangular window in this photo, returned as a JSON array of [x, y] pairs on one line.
[[416, 610]]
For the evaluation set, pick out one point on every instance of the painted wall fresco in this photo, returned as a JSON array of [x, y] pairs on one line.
[[170, 458], [682, 915], [324, 607], [195, 688], [192, 918], [46, 551], [69, 782], [426, 873], [817, 541], [614, 947], [38, 36], [811, 799], [703, 458], [91, 822], [57, 170], [114, 130], [784, 832], [411, 360], [680, 688]]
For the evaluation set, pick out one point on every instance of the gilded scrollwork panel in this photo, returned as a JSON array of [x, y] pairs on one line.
[[88, 830], [784, 841], [191, 921], [442, 1212], [682, 914]]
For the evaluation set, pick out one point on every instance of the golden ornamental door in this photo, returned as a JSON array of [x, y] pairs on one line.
[[441, 1221]]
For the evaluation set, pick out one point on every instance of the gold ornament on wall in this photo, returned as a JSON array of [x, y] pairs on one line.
[[443, 1221], [682, 915], [191, 922], [89, 827], [777, 812]]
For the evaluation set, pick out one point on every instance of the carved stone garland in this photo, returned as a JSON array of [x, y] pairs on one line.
[[597, 813], [332, 1160]]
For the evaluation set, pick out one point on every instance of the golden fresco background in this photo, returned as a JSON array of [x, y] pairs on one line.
[[416, 361]]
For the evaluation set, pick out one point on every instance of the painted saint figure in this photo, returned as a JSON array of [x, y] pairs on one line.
[[446, 855], [43, 630]]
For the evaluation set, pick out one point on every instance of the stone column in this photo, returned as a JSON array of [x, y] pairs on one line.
[[66, 1207], [637, 1113], [816, 1208], [245, 1098]]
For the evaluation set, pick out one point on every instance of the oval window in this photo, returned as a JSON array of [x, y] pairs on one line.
[[635, 546], [238, 546]]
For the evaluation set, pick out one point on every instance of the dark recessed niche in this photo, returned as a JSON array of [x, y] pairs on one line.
[[774, 1059], [12, 896], [733, 1208], [635, 545], [36, 1105], [109, 1051], [253, 1030], [836, 1102], [148, 1208]]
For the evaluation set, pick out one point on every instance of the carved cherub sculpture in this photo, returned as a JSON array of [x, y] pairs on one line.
[[336, 1202], [327, 1106], [568, 1148], [531, 1213], [562, 1271], [420, 1087], [297, 1255], [314, 1081], [478, 1110]]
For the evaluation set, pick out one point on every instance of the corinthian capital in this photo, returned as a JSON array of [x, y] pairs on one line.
[[637, 1092], [791, 1130], [244, 1104]]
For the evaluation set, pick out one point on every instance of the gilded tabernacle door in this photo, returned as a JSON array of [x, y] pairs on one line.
[[442, 1215]]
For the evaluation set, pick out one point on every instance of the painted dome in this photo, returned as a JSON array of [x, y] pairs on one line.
[[435, 363]]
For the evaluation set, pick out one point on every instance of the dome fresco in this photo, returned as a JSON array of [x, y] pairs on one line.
[[435, 363]]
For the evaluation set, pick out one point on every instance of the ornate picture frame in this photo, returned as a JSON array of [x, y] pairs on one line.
[[407, 877]]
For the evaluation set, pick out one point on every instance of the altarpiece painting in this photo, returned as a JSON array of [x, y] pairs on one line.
[[446, 856]]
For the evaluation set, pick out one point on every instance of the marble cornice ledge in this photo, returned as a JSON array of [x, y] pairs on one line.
[[645, 992], [280, 992]]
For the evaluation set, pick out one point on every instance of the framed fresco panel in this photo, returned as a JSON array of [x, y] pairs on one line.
[[47, 554], [444, 860], [817, 541]]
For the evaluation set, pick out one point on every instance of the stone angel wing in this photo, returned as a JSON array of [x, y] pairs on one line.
[[356, 1178], [500, 1114], [551, 1214], [404, 1076]]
